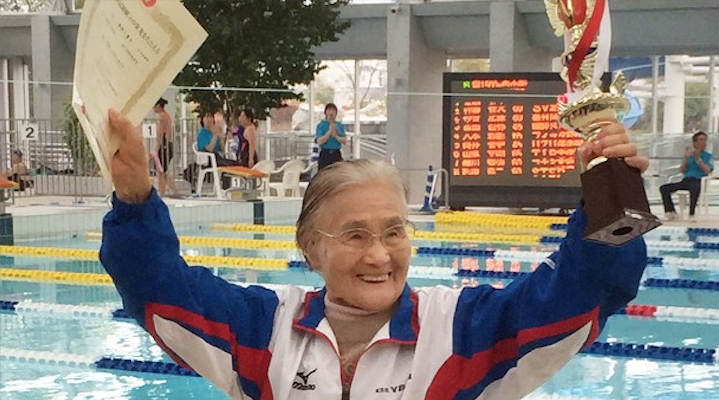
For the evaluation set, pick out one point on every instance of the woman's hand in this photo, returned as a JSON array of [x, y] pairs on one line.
[[613, 142], [129, 165], [697, 156]]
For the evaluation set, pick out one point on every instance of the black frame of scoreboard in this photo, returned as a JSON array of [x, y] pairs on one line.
[[544, 197]]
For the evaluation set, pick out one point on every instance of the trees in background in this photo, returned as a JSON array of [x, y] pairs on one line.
[[259, 45]]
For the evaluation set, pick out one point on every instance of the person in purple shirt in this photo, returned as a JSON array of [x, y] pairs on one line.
[[697, 164]]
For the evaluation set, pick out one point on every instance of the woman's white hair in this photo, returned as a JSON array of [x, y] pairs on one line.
[[335, 179]]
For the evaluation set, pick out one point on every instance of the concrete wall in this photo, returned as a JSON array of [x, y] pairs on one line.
[[52, 61], [511, 46], [15, 41], [414, 106]]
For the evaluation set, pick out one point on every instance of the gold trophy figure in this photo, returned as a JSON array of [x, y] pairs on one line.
[[614, 198]]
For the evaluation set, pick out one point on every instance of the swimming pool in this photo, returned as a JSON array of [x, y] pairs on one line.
[[37, 342]]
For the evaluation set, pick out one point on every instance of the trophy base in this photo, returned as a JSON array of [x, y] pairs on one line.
[[616, 203]]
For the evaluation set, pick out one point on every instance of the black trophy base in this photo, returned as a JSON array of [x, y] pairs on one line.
[[616, 203]]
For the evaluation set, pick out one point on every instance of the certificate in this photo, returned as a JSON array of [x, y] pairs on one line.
[[128, 53]]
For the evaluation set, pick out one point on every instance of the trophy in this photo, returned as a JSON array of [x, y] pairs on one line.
[[614, 198]]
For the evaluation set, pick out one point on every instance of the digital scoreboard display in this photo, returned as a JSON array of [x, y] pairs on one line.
[[503, 144]]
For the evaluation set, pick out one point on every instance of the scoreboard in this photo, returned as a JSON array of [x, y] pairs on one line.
[[502, 142]]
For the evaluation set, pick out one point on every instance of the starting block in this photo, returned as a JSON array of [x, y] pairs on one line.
[[247, 191]]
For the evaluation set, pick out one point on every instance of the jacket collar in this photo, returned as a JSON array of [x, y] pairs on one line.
[[403, 325]]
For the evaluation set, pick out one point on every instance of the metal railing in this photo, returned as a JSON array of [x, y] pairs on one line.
[[56, 162], [58, 165]]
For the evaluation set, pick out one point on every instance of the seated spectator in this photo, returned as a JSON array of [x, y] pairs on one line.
[[697, 164], [18, 172], [210, 139]]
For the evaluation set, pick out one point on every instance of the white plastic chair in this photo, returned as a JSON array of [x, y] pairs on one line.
[[683, 195], [707, 183], [266, 166], [202, 158], [291, 172], [312, 167]]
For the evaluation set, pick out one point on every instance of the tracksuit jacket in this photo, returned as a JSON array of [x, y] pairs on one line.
[[440, 343]]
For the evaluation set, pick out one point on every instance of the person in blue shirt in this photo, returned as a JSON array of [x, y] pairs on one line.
[[697, 164], [208, 138], [330, 136]]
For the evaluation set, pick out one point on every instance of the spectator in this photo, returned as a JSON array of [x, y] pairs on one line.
[[164, 148], [697, 163], [247, 138], [210, 139], [18, 171], [330, 136]]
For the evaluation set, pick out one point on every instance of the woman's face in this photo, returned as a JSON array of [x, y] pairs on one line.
[[15, 158], [331, 114], [700, 143], [208, 120], [243, 119], [372, 278]]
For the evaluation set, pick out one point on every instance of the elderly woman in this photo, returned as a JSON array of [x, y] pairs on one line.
[[367, 334]]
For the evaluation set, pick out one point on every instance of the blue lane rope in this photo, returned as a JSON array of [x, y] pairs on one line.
[[683, 354], [551, 239], [703, 231], [455, 251], [121, 314], [152, 367], [682, 284], [7, 305]]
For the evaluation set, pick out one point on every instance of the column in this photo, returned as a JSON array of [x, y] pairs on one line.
[[41, 27], [674, 82], [4, 89], [510, 48], [414, 103], [52, 61]]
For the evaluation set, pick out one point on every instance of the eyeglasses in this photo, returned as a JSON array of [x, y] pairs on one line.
[[394, 237]]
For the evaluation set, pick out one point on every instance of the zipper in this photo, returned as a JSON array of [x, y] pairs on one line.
[[381, 341], [329, 342]]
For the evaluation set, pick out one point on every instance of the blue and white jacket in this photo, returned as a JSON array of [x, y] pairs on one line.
[[441, 343]]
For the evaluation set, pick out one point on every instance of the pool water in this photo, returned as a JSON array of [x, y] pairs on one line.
[[586, 376]]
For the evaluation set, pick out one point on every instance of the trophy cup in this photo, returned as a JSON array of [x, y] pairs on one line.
[[614, 198]]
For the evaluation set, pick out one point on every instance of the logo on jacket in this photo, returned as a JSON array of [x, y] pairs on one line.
[[305, 377], [390, 389], [393, 389]]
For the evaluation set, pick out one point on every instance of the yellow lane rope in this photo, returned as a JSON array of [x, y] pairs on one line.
[[235, 243], [67, 278], [84, 254], [499, 220]]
